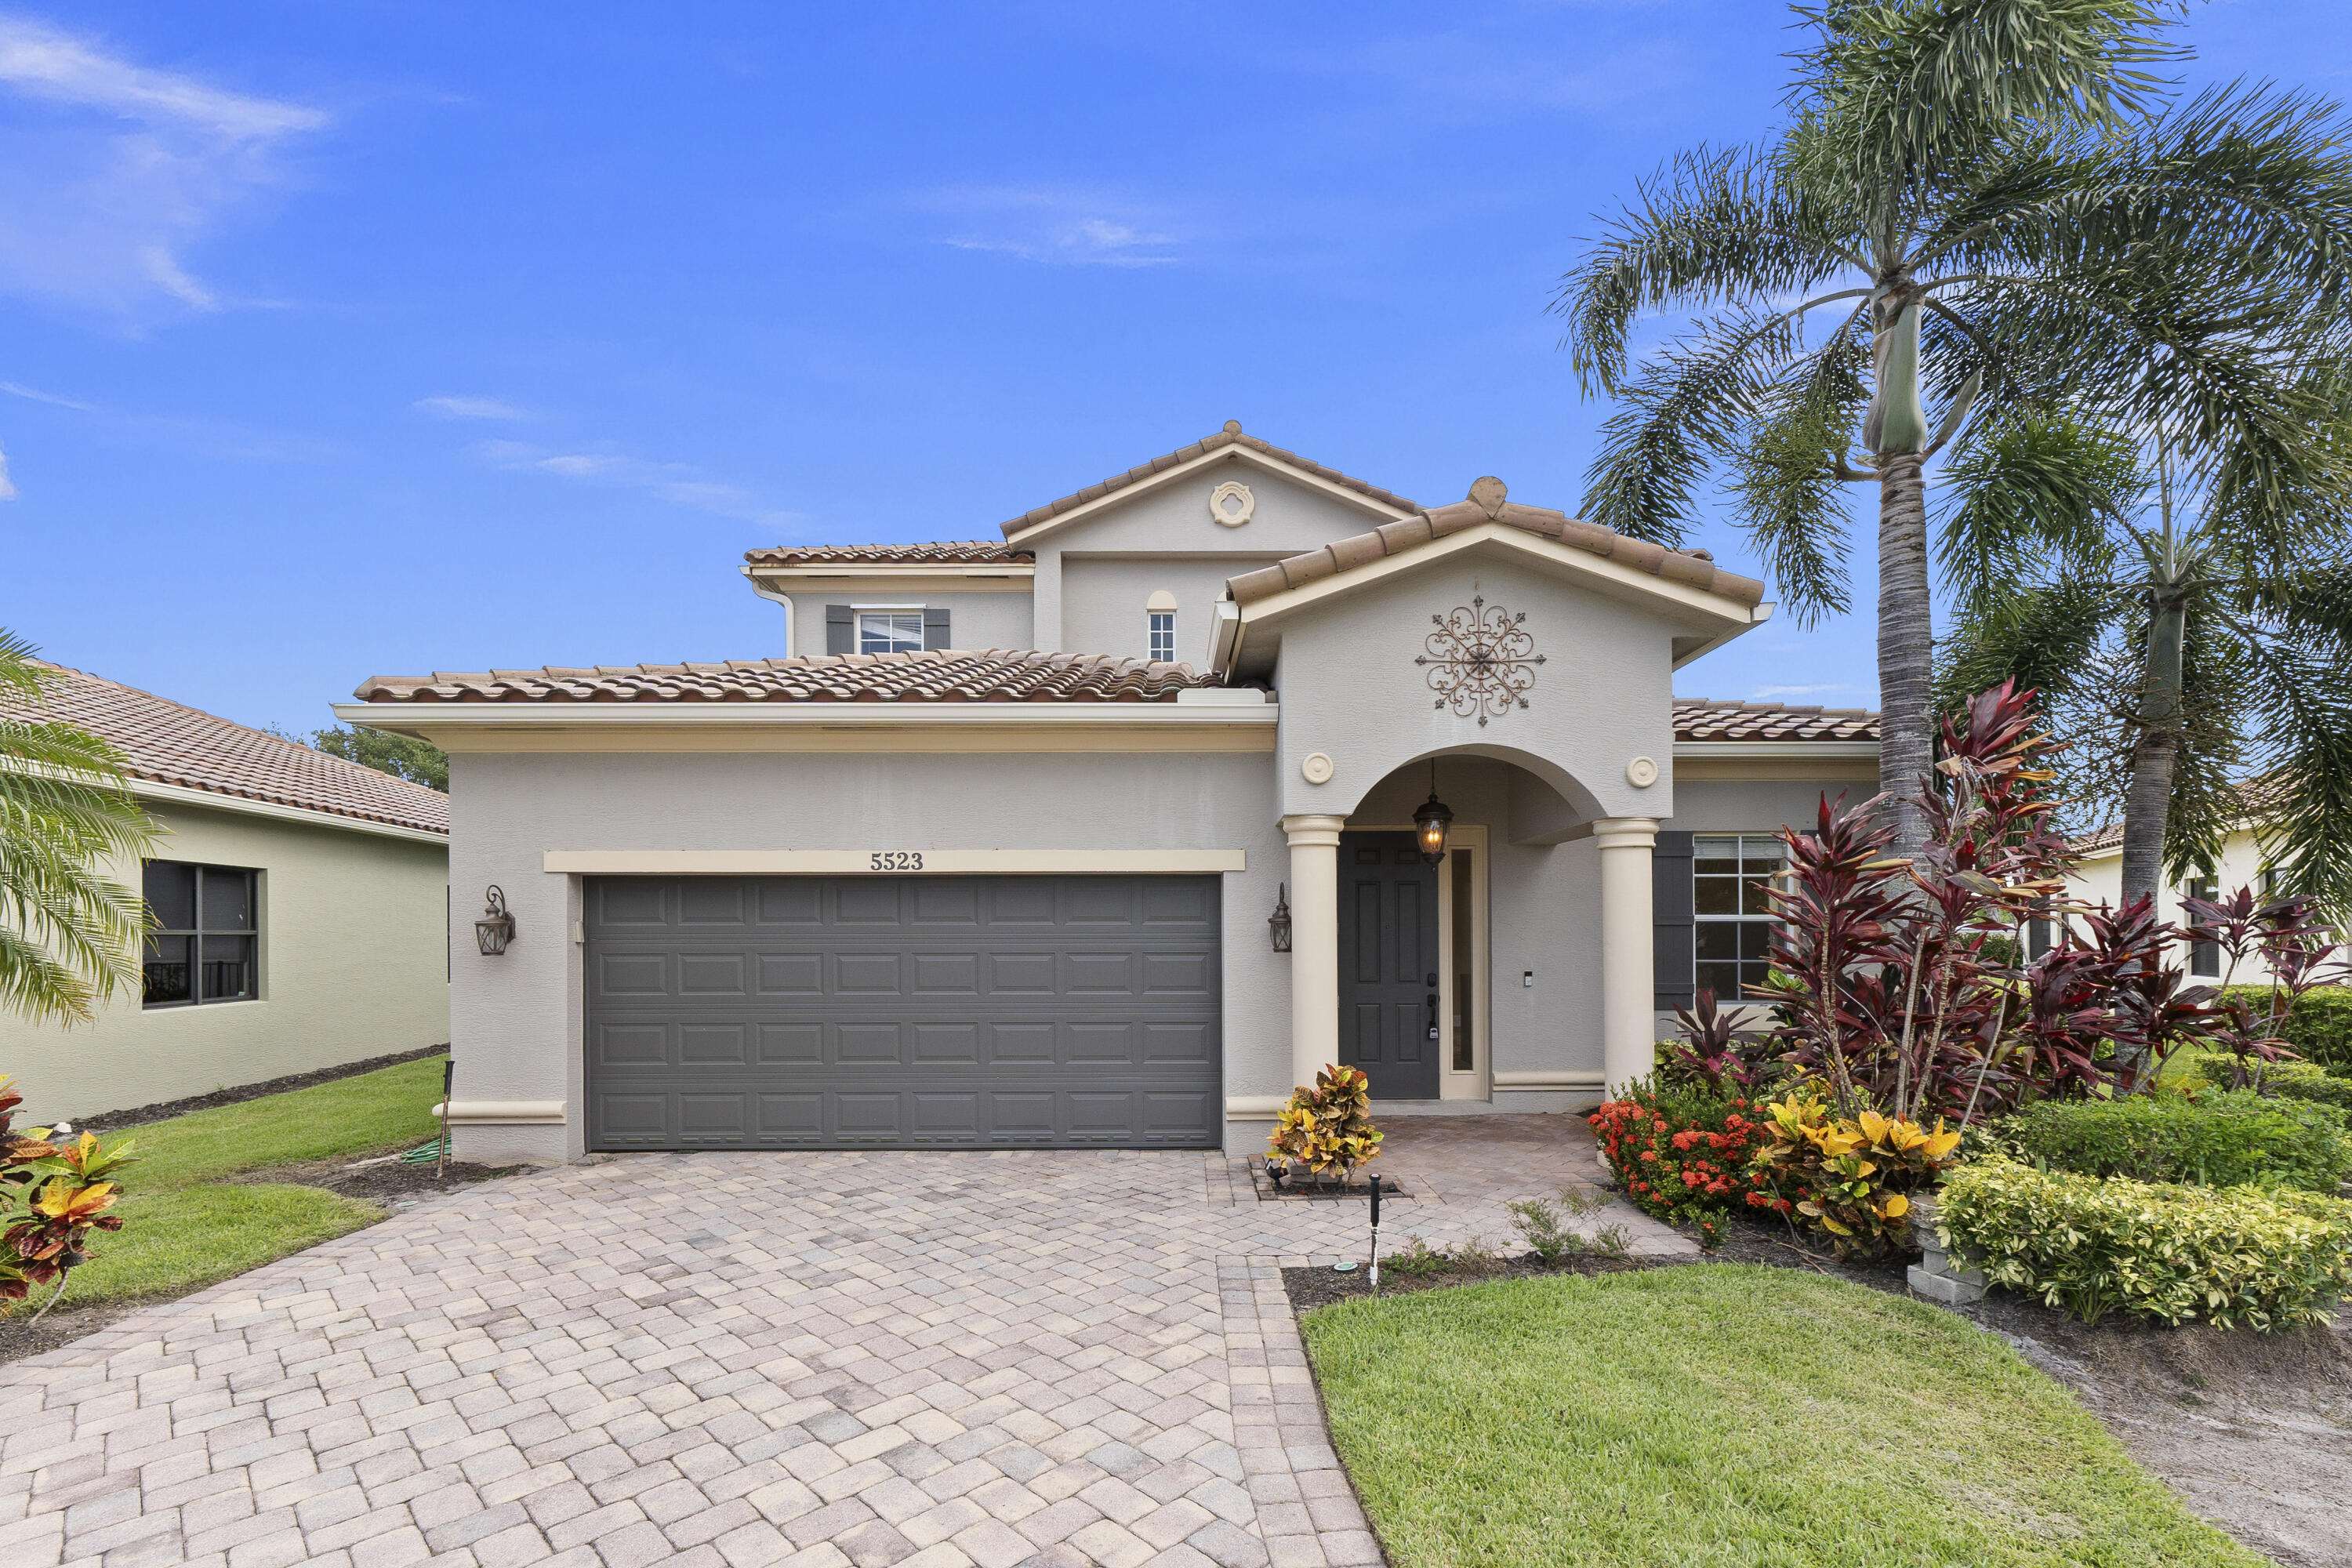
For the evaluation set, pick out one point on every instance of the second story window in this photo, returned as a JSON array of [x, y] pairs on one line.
[[202, 927], [890, 631], [1163, 635]]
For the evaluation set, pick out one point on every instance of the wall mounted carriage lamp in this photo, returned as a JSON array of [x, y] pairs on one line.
[[1278, 924], [1430, 822], [497, 927]]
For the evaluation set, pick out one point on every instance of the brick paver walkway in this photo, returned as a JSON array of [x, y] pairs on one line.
[[921, 1360]]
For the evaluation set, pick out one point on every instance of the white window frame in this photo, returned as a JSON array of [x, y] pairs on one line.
[[1701, 919], [897, 618], [1160, 631]]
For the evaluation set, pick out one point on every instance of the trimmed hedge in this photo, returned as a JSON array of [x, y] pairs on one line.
[[2239, 1258], [2218, 1140], [2321, 1028]]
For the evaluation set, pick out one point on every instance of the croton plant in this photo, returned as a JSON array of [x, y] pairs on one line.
[[55, 1192], [1328, 1128]]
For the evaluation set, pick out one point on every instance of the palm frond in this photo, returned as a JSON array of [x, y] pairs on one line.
[[2027, 496], [1713, 229]]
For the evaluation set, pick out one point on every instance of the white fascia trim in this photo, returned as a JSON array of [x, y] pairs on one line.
[[1756, 617], [401, 717], [896, 861], [1724, 612], [1249, 455], [178, 794], [912, 571], [1817, 750]]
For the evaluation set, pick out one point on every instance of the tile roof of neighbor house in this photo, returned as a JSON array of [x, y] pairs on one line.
[[168, 743], [946, 552], [1231, 435], [1489, 503], [991, 674], [2256, 798]]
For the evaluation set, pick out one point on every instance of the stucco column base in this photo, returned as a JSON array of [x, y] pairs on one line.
[[1628, 969], [1314, 944]]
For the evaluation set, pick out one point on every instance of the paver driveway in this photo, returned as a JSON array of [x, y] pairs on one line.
[[745, 1359]]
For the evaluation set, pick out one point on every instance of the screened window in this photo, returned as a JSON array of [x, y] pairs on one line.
[[890, 631], [1730, 875], [1163, 635], [202, 927], [2204, 957]]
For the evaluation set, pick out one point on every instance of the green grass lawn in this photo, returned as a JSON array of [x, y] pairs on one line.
[[185, 1225], [1714, 1415]]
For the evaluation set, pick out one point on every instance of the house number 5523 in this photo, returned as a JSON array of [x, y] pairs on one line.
[[898, 860]]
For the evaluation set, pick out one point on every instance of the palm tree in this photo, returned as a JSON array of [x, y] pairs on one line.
[[68, 937], [2175, 647], [2011, 230]]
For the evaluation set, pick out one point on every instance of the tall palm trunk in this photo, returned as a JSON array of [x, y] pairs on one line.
[[2148, 802], [1896, 433], [1905, 645]]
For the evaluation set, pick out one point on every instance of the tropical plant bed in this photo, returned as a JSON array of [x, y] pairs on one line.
[[1716, 1414], [1306, 1185]]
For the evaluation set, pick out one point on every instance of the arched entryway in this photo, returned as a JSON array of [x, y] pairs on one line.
[[1531, 934]]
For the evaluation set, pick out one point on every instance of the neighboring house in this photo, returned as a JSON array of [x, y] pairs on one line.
[[896, 892], [299, 906], [2244, 863]]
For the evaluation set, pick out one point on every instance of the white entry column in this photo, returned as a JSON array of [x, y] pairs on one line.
[[1628, 970], [1314, 944]]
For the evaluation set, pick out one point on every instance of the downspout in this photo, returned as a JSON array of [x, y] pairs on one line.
[[775, 597]]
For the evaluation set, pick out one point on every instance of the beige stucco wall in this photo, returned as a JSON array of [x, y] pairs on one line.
[[2100, 880], [353, 964]]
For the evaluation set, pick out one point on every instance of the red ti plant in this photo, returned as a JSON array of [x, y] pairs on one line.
[[1713, 1050], [2291, 943], [1891, 987]]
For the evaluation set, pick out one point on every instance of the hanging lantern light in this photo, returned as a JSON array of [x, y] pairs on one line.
[[1278, 924], [497, 927], [1431, 823]]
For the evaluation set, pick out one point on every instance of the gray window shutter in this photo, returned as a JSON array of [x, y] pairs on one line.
[[935, 628], [1674, 937], [840, 629]]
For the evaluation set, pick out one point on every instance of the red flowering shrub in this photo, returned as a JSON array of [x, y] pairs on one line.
[[1685, 1156]]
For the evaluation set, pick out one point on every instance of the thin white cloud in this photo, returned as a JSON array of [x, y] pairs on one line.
[[1057, 226], [678, 484], [34, 394], [469, 408], [1782, 693], [7, 485], [102, 196]]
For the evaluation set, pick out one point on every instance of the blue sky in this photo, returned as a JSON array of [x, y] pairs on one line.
[[375, 337]]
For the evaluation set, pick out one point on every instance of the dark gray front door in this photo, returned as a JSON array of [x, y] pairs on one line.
[[902, 1011], [1387, 963]]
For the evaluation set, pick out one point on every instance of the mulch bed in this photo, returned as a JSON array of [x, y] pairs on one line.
[[1311, 1287], [139, 1116]]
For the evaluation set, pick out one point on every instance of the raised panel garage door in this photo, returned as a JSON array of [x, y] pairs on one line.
[[902, 1011]]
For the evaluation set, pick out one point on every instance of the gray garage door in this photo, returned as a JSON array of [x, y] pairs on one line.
[[902, 1011]]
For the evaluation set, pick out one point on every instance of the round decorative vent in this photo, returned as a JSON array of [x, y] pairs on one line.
[[1232, 504]]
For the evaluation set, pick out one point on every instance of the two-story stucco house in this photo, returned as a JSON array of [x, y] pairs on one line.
[[1112, 831]]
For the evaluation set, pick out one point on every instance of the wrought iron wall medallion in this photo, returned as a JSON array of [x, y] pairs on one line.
[[1481, 660]]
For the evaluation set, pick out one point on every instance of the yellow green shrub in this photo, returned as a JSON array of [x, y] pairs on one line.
[[2266, 1258]]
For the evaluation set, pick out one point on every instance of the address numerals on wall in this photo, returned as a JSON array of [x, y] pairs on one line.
[[897, 860]]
